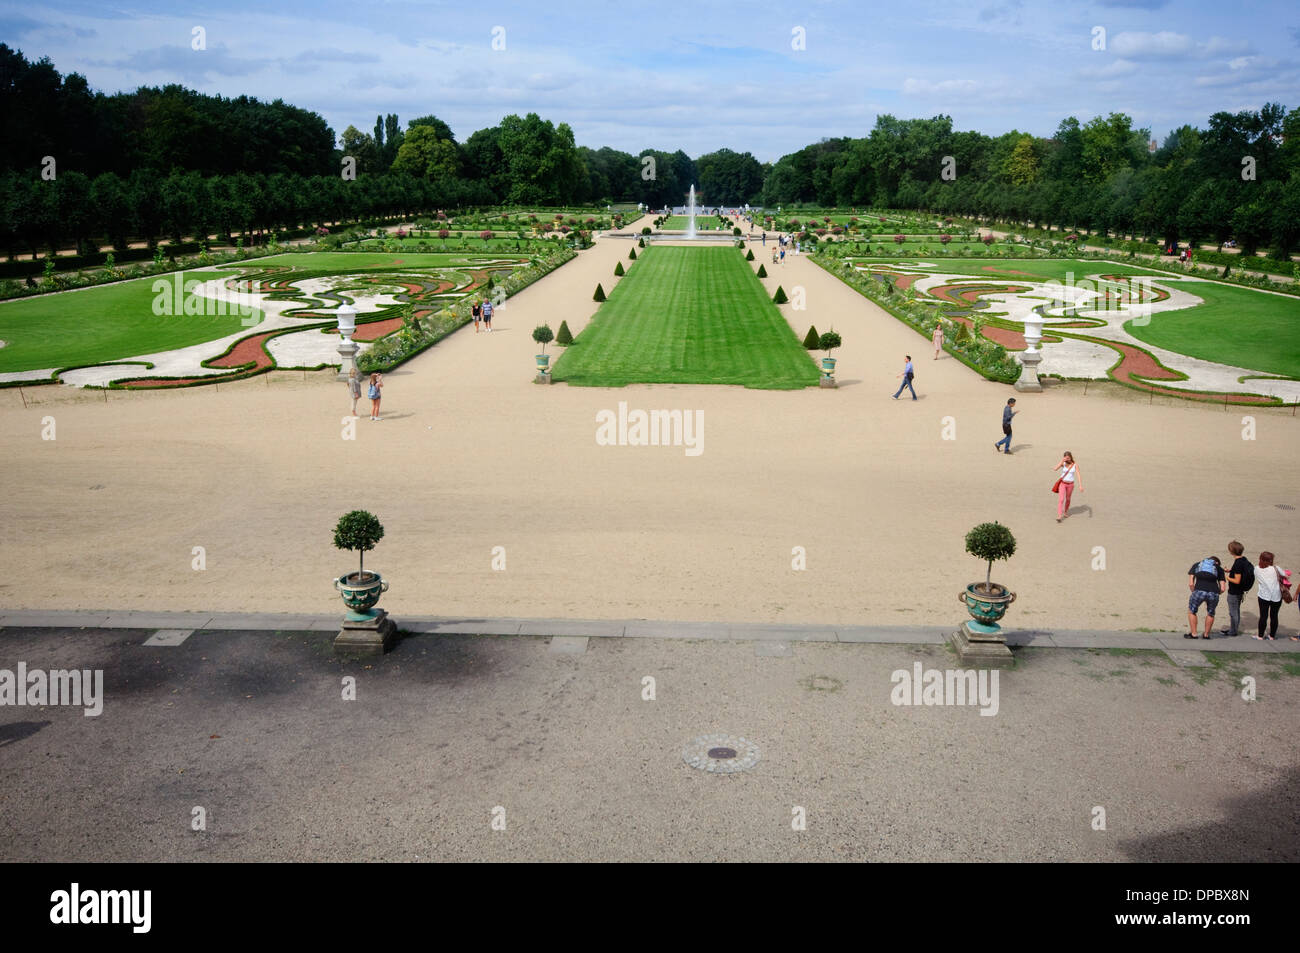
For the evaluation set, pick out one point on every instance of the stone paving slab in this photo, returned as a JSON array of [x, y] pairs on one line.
[[1187, 658], [785, 633], [169, 637], [862, 633], [570, 627], [677, 630], [635, 628], [568, 645]]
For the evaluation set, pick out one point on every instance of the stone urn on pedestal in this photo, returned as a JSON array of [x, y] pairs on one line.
[[980, 640], [366, 630], [1032, 356], [347, 316], [828, 342]]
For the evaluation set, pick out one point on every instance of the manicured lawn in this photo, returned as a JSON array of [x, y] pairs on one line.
[[679, 223], [102, 324], [688, 316], [1237, 326], [1043, 269]]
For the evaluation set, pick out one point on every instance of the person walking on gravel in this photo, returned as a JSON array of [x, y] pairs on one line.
[[477, 312], [487, 314], [1066, 485], [937, 338], [907, 374], [1008, 412]]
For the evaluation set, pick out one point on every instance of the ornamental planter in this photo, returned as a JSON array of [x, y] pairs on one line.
[[360, 592], [543, 361], [986, 607]]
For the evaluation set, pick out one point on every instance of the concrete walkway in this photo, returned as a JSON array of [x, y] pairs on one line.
[[634, 629]]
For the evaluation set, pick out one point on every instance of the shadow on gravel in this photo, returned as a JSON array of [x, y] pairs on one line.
[[17, 731], [1258, 826]]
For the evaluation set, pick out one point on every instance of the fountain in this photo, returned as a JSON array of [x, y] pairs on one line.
[[690, 228]]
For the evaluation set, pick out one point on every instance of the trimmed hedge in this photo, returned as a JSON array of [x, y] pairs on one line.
[[396, 349], [810, 339], [599, 294]]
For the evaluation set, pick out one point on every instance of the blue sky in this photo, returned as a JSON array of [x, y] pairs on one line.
[[696, 76]]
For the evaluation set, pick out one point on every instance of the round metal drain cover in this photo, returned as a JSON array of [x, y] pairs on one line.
[[721, 754]]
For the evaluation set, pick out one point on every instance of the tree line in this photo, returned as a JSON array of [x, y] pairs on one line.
[[171, 162]]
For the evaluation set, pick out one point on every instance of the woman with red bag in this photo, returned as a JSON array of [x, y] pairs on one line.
[[1065, 486], [1274, 589]]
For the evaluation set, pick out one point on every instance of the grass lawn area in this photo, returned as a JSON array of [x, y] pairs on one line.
[[1237, 326], [102, 324], [1042, 269], [688, 316], [679, 223]]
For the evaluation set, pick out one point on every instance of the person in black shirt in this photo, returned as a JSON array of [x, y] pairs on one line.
[[1240, 578], [1206, 581]]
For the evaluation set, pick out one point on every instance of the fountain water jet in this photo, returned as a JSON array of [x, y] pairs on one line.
[[690, 228]]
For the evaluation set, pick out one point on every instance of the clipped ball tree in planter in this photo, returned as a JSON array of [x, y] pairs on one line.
[[980, 638], [543, 335], [828, 342], [365, 628]]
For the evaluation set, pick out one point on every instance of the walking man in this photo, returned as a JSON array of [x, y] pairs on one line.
[[907, 375], [1007, 413], [487, 314]]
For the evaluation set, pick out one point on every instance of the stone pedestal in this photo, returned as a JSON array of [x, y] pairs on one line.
[[827, 382], [368, 633], [542, 378], [981, 646], [1028, 380], [348, 351]]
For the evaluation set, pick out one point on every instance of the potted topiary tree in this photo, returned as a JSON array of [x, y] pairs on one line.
[[359, 531], [987, 601], [543, 335], [828, 342]]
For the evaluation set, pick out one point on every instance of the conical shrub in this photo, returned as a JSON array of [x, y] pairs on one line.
[[809, 341], [618, 269], [599, 295], [762, 272], [564, 337], [749, 255], [632, 254], [780, 297]]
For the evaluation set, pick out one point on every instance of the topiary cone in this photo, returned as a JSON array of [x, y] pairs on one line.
[[780, 297], [618, 269], [811, 340], [599, 295], [564, 337], [762, 272]]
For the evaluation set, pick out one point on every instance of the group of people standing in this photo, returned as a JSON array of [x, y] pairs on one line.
[[374, 391], [1208, 580]]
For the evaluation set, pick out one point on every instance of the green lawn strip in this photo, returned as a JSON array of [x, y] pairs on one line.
[[1235, 326], [345, 262], [679, 223], [688, 316], [103, 324]]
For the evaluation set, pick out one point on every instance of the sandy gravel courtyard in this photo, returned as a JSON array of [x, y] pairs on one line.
[[472, 455]]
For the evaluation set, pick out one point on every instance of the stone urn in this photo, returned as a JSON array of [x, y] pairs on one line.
[[986, 607], [360, 592]]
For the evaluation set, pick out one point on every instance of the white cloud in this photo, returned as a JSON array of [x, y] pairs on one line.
[[946, 87]]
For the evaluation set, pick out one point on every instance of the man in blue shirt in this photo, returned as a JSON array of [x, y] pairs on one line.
[[1007, 414], [907, 376]]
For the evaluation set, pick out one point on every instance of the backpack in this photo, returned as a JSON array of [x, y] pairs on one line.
[[1247, 578], [1207, 565]]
